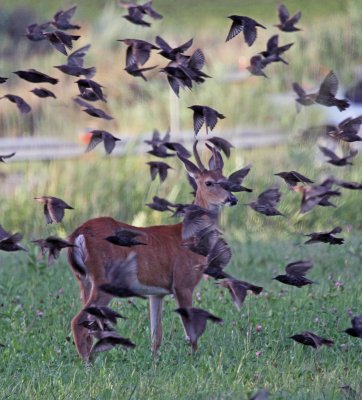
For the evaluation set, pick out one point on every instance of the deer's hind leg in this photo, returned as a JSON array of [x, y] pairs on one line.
[[156, 309]]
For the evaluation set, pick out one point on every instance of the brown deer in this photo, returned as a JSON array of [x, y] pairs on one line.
[[164, 265]]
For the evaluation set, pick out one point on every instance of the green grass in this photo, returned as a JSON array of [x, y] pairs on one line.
[[40, 360]]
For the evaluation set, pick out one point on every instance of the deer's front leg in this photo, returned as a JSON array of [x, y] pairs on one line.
[[156, 308]]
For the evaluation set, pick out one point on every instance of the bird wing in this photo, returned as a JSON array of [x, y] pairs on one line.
[[221, 144], [95, 140], [197, 60], [272, 43], [220, 255], [301, 177], [329, 153], [298, 268], [56, 212], [48, 218], [295, 18], [109, 142], [236, 28], [238, 176], [199, 120], [77, 57], [329, 86], [163, 45], [299, 90], [357, 322], [210, 117], [283, 13], [270, 196], [249, 31], [183, 47]]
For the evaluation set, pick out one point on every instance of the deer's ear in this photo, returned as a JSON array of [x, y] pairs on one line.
[[191, 168]]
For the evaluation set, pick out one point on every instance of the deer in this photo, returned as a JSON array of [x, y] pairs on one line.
[[164, 265]]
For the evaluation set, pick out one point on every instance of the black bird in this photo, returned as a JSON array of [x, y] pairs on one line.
[[108, 340], [235, 180], [107, 138], [3, 80], [287, 23], [177, 78], [266, 202], [10, 241], [348, 185], [221, 144], [295, 274], [75, 64], [204, 241], [159, 148], [61, 41], [89, 84], [205, 115], [262, 394], [54, 245], [104, 313], [35, 32], [292, 178], [32, 75], [195, 320], [136, 12], [126, 237], [311, 339], [325, 237], [326, 95], [273, 50], [61, 19], [22, 105], [138, 51], [43, 93], [136, 71], [218, 257], [347, 130], [159, 204], [92, 111], [336, 160], [239, 289], [158, 168], [257, 64], [171, 53], [178, 148], [6, 156], [246, 25], [122, 277], [197, 219], [135, 16], [53, 208], [356, 330]]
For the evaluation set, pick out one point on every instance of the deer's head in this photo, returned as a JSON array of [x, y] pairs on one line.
[[210, 183]]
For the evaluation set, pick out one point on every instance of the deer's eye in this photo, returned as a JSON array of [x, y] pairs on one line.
[[208, 183]]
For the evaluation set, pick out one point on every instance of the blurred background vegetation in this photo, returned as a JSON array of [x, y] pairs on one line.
[[96, 184]]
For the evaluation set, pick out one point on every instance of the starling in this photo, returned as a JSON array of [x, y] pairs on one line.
[[347, 130], [221, 144], [158, 168], [195, 320], [170, 53], [348, 185], [89, 84], [54, 245], [257, 64], [104, 313], [43, 93], [75, 66], [61, 41], [197, 219], [204, 241], [122, 277], [178, 148], [287, 23], [135, 71], [336, 160], [61, 19], [262, 394], [292, 178], [311, 339], [3, 80], [159, 148], [75, 70], [325, 237], [325, 96], [135, 16], [159, 204], [108, 340], [93, 111], [235, 180], [22, 105], [6, 156], [273, 50], [218, 258], [126, 237], [35, 32], [266, 202], [238, 290], [136, 12], [32, 75], [10, 241], [53, 208], [138, 51], [246, 25], [295, 274], [315, 195], [356, 330], [177, 78], [205, 115], [107, 138]]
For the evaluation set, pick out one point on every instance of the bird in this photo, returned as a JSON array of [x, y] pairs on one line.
[[35, 32], [178, 148], [257, 64], [158, 168], [159, 148], [347, 130], [126, 237], [138, 51], [205, 239], [5, 156], [92, 111], [205, 115], [195, 322], [292, 178], [61, 41], [43, 93], [246, 25], [159, 204], [22, 105], [32, 75], [311, 339], [54, 245], [295, 274], [10, 241], [53, 208], [104, 313], [177, 78], [273, 50], [170, 53], [234, 180], [287, 23], [221, 144], [238, 290], [266, 202], [89, 84], [356, 330], [325, 96], [3, 79], [325, 237], [61, 19], [99, 136], [336, 160], [262, 394], [348, 185], [134, 70], [218, 258], [75, 65], [136, 12], [107, 341], [196, 219], [122, 277]]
